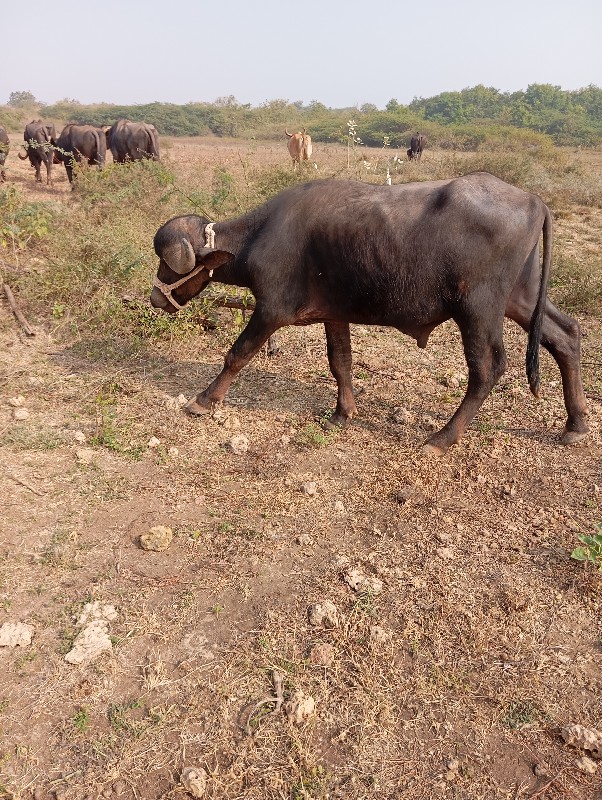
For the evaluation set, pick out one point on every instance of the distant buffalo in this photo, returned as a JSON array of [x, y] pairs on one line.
[[39, 147], [132, 141], [417, 143], [4, 146], [81, 143]]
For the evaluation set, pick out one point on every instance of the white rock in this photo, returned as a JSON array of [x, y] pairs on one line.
[[16, 402], [300, 707], [90, 643], [79, 436], [153, 442], [182, 399], [586, 765], [158, 538], [285, 440], [232, 423], [304, 539], [85, 455], [339, 507], [20, 414], [173, 452], [239, 444], [95, 611], [361, 583], [15, 634], [402, 416], [584, 738], [194, 780], [309, 488], [324, 615]]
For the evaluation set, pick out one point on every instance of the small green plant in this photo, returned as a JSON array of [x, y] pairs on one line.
[[590, 550], [20, 221], [519, 714], [81, 719]]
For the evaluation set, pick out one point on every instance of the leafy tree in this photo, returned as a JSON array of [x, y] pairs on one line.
[[20, 99]]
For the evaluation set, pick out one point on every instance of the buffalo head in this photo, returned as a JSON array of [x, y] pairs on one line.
[[186, 264]]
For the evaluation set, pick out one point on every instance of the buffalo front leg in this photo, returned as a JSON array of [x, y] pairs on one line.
[[486, 360], [338, 343], [250, 341]]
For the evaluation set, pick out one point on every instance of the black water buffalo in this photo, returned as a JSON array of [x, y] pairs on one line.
[[410, 256], [81, 143], [417, 143], [39, 147], [132, 141], [4, 148]]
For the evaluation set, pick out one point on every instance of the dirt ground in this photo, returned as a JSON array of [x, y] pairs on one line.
[[451, 669]]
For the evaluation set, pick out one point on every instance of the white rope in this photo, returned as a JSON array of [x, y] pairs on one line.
[[210, 236]]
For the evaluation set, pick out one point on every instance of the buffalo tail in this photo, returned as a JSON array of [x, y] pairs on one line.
[[532, 361]]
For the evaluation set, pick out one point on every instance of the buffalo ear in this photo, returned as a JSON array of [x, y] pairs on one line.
[[180, 256], [212, 259]]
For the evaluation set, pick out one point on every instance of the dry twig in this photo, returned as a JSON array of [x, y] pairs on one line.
[[278, 699], [16, 311]]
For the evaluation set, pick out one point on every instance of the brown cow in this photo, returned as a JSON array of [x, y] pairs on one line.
[[299, 146]]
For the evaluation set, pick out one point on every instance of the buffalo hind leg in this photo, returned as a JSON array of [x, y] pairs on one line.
[[486, 360], [338, 344], [560, 335], [248, 344]]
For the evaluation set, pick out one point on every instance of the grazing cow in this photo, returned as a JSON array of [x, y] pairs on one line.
[[299, 146], [132, 141], [410, 256], [39, 147], [4, 148], [417, 143], [81, 143]]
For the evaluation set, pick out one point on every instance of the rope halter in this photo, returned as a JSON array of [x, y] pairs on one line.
[[166, 289]]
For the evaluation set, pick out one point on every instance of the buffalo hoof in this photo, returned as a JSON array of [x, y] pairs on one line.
[[196, 409], [430, 449], [572, 437], [336, 421]]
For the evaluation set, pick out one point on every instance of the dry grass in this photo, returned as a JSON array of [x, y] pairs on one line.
[[492, 635]]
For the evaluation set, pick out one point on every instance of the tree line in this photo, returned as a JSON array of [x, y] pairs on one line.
[[461, 120]]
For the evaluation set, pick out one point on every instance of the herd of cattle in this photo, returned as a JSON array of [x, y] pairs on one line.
[[127, 141]]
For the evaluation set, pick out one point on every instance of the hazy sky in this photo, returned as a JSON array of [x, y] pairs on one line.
[[340, 53]]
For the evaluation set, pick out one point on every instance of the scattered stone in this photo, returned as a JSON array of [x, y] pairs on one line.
[[322, 655], [309, 488], [232, 422], [430, 424], [157, 539], [85, 455], [323, 615], [16, 402], [119, 787], [90, 643], [378, 635], [173, 452], [583, 738], [97, 611], [304, 539], [20, 414], [445, 552], [175, 403], [362, 584], [300, 707], [15, 634], [79, 437], [39, 794], [586, 765], [539, 771], [339, 507], [285, 440], [402, 416], [194, 780], [182, 399], [403, 494], [153, 442], [239, 444]]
